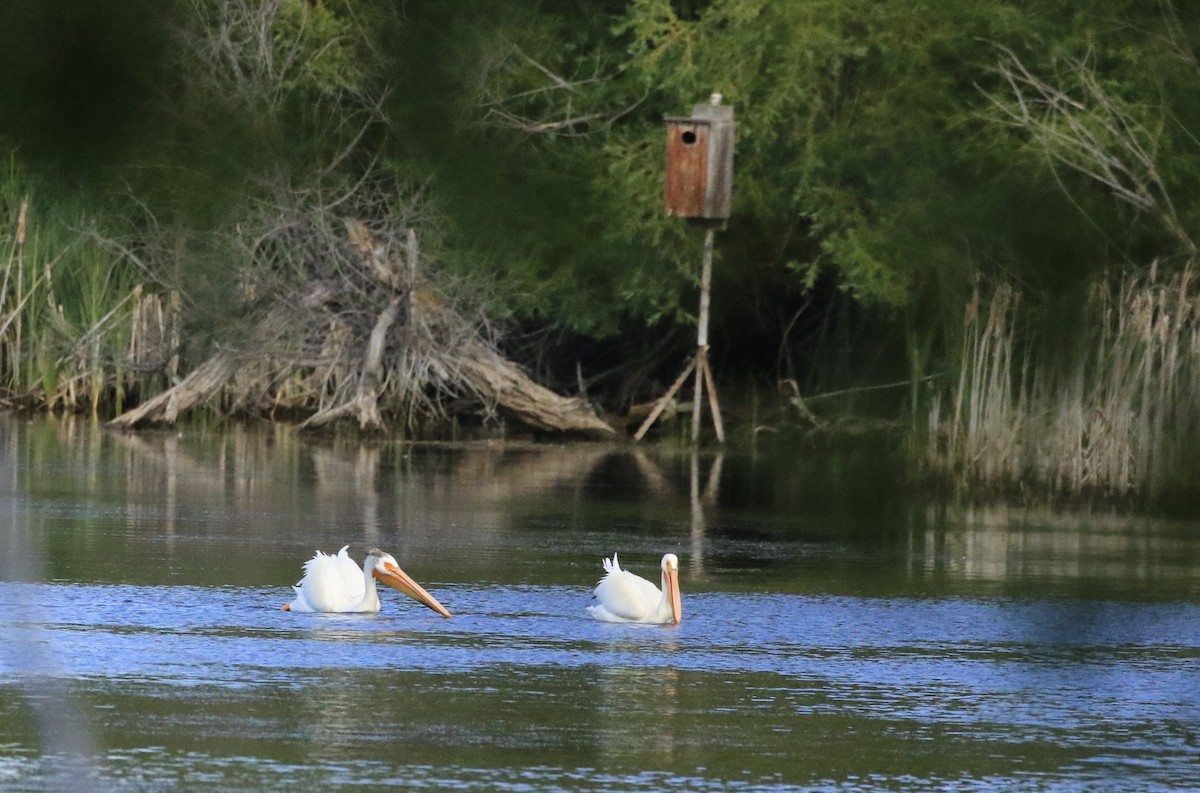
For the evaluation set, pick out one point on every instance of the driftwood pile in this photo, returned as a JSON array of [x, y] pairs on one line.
[[365, 340]]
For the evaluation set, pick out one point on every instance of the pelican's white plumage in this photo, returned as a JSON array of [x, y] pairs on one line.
[[335, 583], [622, 596]]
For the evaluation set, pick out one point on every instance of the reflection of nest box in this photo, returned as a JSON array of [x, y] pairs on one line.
[[700, 162]]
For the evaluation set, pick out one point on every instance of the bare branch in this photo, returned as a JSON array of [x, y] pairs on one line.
[[548, 108], [1091, 132]]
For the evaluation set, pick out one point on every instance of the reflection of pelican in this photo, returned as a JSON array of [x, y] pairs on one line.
[[625, 597], [335, 583]]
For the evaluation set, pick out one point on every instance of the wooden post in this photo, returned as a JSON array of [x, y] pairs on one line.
[[703, 373], [705, 290], [704, 384], [699, 184], [663, 401]]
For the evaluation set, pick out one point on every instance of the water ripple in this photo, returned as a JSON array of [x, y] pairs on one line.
[[1117, 681]]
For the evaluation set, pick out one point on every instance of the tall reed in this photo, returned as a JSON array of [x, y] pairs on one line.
[[1112, 409], [77, 330]]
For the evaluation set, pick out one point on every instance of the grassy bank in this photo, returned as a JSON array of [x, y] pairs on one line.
[[78, 331], [1103, 399]]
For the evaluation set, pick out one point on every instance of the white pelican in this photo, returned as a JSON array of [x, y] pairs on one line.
[[625, 597], [335, 583]]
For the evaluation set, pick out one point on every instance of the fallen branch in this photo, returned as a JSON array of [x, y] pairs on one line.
[[316, 351], [201, 384], [500, 381]]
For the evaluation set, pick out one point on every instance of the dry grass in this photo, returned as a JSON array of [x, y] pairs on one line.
[[1119, 418]]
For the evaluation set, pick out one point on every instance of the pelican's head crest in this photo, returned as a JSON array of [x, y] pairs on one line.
[[383, 559]]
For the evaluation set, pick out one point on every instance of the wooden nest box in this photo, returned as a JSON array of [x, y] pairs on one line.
[[699, 183]]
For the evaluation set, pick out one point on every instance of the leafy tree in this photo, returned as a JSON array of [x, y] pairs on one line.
[[880, 169], [870, 154]]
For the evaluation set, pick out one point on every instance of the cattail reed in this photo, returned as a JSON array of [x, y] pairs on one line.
[[1113, 410], [69, 310], [22, 216]]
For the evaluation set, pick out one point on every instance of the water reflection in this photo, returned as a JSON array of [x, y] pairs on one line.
[[468, 512], [837, 635], [701, 503], [1141, 557], [419, 497], [637, 711], [30, 652]]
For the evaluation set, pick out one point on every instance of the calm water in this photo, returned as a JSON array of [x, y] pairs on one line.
[[837, 636]]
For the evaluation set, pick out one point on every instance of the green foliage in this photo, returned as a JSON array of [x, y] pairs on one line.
[[64, 298], [868, 151], [850, 115], [873, 154], [80, 81], [322, 47], [552, 203], [847, 129]]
